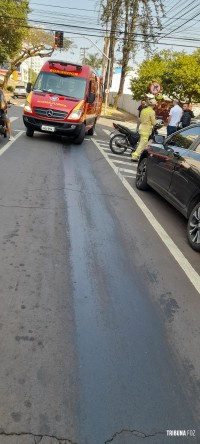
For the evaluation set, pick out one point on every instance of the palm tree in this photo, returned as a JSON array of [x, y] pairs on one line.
[[93, 60]]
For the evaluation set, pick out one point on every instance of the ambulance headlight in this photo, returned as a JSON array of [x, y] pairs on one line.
[[76, 114], [27, 107]]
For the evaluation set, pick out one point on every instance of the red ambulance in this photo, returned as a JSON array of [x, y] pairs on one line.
[[65, 100]]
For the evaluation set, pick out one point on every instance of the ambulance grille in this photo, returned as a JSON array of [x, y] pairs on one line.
[[50, 113]]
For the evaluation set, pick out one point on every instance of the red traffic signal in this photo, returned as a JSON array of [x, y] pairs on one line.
[[58, 41]]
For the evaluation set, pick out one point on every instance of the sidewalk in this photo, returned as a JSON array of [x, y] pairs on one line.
[[117, 116], [126, 119]]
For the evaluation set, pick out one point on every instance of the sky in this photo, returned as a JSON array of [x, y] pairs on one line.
[[80, 21]]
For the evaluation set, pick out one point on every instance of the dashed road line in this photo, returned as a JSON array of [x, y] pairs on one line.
[[185, 265]]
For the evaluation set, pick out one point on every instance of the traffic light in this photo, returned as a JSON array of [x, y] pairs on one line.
[[58, 42]]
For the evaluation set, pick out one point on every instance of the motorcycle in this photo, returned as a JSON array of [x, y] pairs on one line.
[[3, 128], [128, 139]]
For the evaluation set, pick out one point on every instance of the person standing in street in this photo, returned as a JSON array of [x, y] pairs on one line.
[[186, 116], [174, 118], [3, 114], [140, 108], [148, 120]]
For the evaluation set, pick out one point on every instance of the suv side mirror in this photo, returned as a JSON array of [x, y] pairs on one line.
[[28, 87], [159, 138], [91, 98]]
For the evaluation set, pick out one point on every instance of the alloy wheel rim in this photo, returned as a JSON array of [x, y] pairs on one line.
[[194, 226], [141, 172]]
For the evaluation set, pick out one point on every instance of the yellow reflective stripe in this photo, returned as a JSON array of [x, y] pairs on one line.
[[29, 97], [79, 105]]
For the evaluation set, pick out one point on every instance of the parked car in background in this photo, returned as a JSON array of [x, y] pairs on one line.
[[171, 166], [20, 91]]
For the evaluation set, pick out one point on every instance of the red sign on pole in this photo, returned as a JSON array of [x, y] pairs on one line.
[[155, 88]]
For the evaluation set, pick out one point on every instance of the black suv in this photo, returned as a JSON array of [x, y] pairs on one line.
[[172, 167]]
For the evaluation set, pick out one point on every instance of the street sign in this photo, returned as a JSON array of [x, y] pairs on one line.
[[155, 88]]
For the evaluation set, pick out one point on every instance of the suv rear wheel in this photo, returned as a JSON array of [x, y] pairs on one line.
[[141, 177], [193, 228]]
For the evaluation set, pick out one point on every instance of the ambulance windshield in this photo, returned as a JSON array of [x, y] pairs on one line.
[[65, 85]]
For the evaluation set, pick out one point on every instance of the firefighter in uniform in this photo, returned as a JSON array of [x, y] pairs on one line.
[[148, 120]]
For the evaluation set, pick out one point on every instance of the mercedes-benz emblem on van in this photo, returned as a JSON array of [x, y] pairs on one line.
[[54, 98], [49, 113]]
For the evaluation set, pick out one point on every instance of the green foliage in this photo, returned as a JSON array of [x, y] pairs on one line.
[[10, 88], [32, 75], [93, 60], [13, 27], [178, 73]]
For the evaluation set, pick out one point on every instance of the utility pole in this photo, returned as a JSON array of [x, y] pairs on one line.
[[83, 54], [108, 68]]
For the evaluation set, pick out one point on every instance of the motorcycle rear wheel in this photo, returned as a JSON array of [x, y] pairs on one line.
[[118, 144]]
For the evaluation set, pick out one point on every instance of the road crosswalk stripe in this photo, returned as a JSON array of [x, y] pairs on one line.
[[121, 161], [124, 170], [107, 131], [130, 176], [104, 142], [120, 156]]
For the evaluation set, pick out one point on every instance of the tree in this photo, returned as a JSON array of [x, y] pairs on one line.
[[178, 73], [32, 75], [127, 18], [111, 15], [37, 42], [13, 27], [94, 61]]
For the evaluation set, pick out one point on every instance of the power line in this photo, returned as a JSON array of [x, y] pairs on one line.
[[182, 25], [85, 28]]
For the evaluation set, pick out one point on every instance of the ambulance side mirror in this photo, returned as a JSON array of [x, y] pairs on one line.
[[29, 87], [91, 98]]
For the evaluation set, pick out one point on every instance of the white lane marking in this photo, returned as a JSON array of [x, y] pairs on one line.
[[103, 142], [127, 155], [125, 170], [12, 119], [5, 148], [95, 134], [120, 156], [190, 272], [127, 163], [107, 131], [131, 176], [17, 131]]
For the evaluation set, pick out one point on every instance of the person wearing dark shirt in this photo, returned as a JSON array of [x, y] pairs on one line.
[[3, 113], [186, 116], [140, 108]]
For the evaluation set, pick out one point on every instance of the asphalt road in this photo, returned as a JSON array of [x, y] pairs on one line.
[[99, 324]]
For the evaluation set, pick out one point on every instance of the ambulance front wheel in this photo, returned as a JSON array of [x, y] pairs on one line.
[[80, 138], [29, 132]]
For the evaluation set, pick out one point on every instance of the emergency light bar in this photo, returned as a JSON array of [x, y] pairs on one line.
[[62, 63]]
